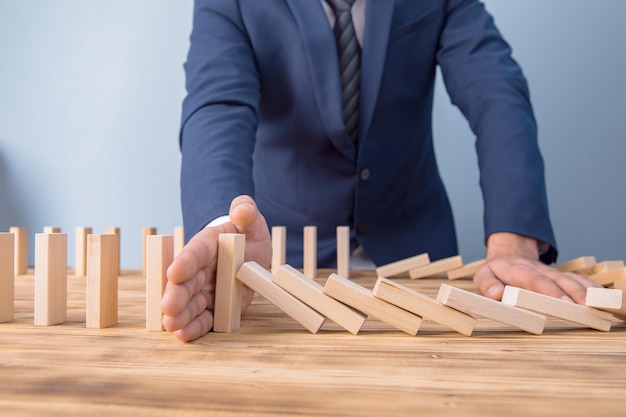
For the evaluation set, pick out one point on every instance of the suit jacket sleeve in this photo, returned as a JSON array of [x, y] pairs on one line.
[[489, 88], [219, 117]]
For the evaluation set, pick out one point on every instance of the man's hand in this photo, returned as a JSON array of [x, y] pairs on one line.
[[189, 296], [514, 260]]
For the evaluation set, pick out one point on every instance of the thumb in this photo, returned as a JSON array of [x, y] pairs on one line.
[[488, 284]]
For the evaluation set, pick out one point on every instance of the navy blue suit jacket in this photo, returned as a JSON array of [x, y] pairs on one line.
[[263, 117]]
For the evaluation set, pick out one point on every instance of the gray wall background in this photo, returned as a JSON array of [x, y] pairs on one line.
[[90, 95]]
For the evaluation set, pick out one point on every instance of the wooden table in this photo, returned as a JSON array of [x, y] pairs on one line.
[[272, 366]]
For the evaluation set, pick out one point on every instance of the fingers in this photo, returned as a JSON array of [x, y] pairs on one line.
[[198, 327], [176, 296]]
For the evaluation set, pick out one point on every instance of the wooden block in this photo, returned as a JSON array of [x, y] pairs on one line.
[[576, 264], [424, 306], [363, 300], [478, 305], [312, 294], [102, 281], [7, 276], [279, 247], [467, 270], [21, 249], [441, 266], [620, 285], [147, 231], [80, 267], [403, 266], [609, 277], [179, 239], [228, 290], [260, 280], [50, 278], [160, 254], [564, 310], [343, 251], [609, 299], [116, 231], [51, 229], [310, 251], [601, 267]]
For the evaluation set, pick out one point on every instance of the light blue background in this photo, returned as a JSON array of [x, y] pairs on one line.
[[90, 95]]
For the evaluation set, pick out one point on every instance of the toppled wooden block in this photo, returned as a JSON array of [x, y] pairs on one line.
[[554, 307], [363, 300], [312, 294], [424, 306], [612, 300], [478, 305], [467, 270], [260, 280], [403, 266], [577, 264], [435, 268]]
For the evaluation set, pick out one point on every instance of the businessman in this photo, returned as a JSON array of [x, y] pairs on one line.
[[318, 112]]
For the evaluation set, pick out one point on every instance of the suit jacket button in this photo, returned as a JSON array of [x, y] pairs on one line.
[[365, 174]]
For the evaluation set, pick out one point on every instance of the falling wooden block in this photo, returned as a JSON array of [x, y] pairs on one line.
[[50, 278], [80, 267], [477, 305], [424, 306], [116, 231], [21, 249], [7, 276], [310, 251], [279, 247], [102, 281], [554, 307], [609, 299], [609, 277], [179, 239], [441, 266], [467, 270], [160, 254], [51, 229], [363, 300], [260, 280], [312, 294], [343, 251], [574, 265], [228, 290], [403, 266], [147, 231]]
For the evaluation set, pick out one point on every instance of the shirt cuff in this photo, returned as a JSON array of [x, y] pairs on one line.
[[218, 221]]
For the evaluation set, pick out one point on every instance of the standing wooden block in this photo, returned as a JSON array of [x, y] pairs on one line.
[[7, 276], [50, 278], [343, 251], [179, 239], [424, 306], [160, 254], [147, 231], [102, 281], [116, 231], [51, 229], [260, 280], [554, 307], [441, 266], [477, 305], [609, 299], [228, 289], [21, 249], [574, 265], [80, 269], [363, 300], [403, 266], [310, 251], [466, 271], [279, 247], [312, 294]]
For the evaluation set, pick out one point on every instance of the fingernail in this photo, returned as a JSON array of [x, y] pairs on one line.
[[567, 298]]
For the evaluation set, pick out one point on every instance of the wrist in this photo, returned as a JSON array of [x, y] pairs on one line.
[[507, 244]]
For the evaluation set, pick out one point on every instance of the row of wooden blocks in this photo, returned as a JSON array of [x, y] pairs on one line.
[[349, 304]]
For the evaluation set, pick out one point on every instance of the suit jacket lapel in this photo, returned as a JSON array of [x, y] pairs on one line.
[[319, 43], [378, 16]]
